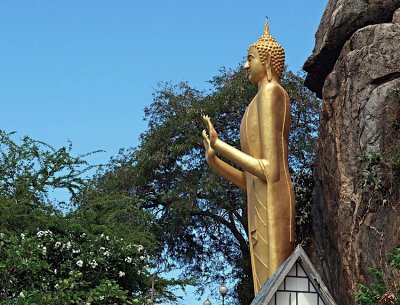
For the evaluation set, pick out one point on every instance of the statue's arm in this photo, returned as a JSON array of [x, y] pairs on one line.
[[227, 171], [230, 173], [245, 161], [269, 113]]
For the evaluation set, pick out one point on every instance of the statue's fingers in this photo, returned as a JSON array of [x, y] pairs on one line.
[[210, 125], [206, 138]]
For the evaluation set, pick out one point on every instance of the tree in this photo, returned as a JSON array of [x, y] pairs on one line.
[[202, 216], [30, 171], [101, 253]]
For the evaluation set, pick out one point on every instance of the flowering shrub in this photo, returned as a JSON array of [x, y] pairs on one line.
[[71, 268]]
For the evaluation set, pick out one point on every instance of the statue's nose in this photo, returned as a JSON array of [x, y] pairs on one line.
[[246, 65]]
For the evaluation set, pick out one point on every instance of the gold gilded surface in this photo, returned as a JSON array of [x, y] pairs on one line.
[[263, 159]]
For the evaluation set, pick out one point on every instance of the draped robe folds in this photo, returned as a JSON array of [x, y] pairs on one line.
[[270, 204]]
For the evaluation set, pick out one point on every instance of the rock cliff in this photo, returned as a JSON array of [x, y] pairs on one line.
[[355, 68]]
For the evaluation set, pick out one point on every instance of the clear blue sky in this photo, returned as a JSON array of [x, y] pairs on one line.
[[85, 69]]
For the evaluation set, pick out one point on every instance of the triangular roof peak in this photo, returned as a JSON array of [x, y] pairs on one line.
[[296, 269]]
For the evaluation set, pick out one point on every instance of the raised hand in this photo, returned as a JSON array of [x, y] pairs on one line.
[[210, 152], [212, 134]]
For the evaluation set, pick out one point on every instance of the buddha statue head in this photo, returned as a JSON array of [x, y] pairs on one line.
[[270, 51]]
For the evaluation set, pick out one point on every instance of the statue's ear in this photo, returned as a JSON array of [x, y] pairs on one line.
[[268, 67], [267, 61]]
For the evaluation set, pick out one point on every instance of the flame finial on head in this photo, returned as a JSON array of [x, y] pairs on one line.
[[266, 27], [265, 45]]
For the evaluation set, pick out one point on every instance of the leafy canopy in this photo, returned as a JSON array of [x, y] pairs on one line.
[[202, 216], [100, 253]]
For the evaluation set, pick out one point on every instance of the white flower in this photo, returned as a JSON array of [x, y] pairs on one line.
[[55, 271], [56, 286], [93, 263], [102, 248], [22, 236], [83, 234], [40, 234], [139, 247], [142, 258], [57, 245], [128, 259], [102, 235], [79, 263], [67, 245], [121, 274], [101, 297], [44, 250], [106, 253], [43, 233], [76, 251], [21, 294], [107, 238]]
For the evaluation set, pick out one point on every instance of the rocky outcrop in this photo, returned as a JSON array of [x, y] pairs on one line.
[[340, 20], [356, 216]]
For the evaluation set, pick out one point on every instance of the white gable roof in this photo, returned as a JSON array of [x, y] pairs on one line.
[[295, 282]]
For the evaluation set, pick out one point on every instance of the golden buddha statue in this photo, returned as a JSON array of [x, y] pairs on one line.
[[263, 159]]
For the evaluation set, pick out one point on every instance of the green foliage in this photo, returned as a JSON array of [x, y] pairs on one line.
[[304, 182], [305, 109], [119, 216], [391, 153], [98, 254], [373, 294], [30, 169], [161, 195], [372, 167], [202, 216], [380, 177], [71, 268], [15, 216], [381, 168]]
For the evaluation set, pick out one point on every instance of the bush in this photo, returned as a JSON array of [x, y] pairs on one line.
[[381, 292], [71, 268]]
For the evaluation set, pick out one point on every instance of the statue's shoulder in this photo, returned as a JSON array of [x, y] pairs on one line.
[[272, 90]]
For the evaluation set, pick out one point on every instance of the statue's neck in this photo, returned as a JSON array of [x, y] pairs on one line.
[[265, 81], [273, 79]]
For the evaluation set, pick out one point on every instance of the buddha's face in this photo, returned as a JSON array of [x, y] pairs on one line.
[[255, 69]]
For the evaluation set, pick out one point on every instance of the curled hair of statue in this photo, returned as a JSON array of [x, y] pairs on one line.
[[265, 45]]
